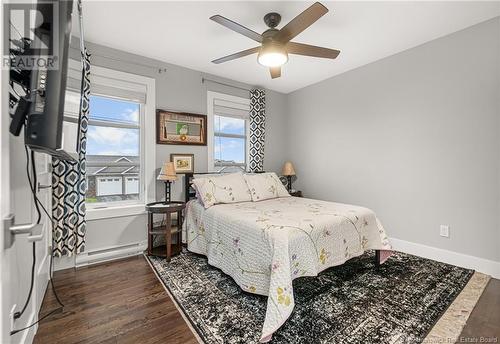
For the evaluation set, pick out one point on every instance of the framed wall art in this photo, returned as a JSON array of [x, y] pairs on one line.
[[183, 163], [180, 128]]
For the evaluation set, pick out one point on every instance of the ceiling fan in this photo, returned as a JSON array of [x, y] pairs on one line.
[[275, 44]]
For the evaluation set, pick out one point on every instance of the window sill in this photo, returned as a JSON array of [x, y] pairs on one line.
[[117, 211]]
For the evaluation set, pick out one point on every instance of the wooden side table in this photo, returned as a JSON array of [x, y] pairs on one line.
[[165, 228], [296, 193]]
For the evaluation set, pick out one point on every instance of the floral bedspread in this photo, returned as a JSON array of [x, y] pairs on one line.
[[264, 245]]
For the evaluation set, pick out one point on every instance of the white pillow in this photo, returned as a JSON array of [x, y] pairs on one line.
[[228, 188], [265, 186], [205, 175]]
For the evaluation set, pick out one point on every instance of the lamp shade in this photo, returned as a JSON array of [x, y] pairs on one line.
[[167, 172], [288, 169]]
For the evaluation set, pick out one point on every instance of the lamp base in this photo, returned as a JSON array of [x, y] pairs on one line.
[[167, 191], [289, 183]]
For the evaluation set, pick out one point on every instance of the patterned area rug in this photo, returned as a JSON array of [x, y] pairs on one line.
[[353, 303]]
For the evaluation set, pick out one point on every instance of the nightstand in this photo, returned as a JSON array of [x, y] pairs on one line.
[[296, 193], [165, 228]]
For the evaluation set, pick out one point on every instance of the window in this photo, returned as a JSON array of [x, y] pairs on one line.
[[113, 150], [120, 141], [229, 141], [228, 130]]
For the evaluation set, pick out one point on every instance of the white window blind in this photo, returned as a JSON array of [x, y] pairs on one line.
[[231, 109], [109, 87]]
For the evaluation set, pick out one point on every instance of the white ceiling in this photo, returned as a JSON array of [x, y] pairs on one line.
[[181, 33]]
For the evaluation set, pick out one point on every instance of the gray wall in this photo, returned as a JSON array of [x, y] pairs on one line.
[[415, 136], [177, 89]]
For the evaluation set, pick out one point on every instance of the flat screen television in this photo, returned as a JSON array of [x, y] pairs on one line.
[[48, 126]]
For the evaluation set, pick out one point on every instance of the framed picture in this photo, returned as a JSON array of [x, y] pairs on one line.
[[180, 128], [183, 163]]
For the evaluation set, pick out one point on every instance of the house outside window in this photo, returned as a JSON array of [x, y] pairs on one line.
[[131, 185], [108, 183], [228, 132], [113, 150]]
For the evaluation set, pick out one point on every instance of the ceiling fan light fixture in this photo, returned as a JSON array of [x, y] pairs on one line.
[[272, 55], [275, 44]]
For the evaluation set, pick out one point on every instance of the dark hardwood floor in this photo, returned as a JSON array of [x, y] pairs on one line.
[[116, 302], [123, 302]]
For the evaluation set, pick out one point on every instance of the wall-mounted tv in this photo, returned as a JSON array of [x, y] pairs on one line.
[[43, 111]]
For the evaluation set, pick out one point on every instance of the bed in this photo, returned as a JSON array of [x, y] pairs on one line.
[[264, 245]]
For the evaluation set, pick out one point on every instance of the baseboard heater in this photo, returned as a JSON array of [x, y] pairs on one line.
[[110, 253]]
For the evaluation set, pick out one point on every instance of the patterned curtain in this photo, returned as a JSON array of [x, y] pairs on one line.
[[257, 129], [69, 186]]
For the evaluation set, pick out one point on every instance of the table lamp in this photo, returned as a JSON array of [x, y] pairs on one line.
[[168, 175], [288, 171]]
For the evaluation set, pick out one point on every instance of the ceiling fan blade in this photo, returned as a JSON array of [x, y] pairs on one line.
[[237, 27], [311, 50], [301, 22], [275, 72], [237, 55]]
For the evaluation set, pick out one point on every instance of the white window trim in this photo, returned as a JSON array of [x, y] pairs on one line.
[[211, 97], [148, 147]]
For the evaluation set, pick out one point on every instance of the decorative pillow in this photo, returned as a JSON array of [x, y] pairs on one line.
[[265, 186], [204, 175], [228, 188]]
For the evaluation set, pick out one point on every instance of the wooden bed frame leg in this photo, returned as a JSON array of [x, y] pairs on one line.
[[377, 258]]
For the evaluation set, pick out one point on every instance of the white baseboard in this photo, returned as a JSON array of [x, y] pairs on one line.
[[61, 263], [110, 253], [485, 266]]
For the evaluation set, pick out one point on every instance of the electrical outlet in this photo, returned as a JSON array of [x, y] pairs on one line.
[[444, 231], [11, 317]]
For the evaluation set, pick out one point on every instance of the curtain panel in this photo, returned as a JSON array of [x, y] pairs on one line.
[[69, 186], [257, 129]]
